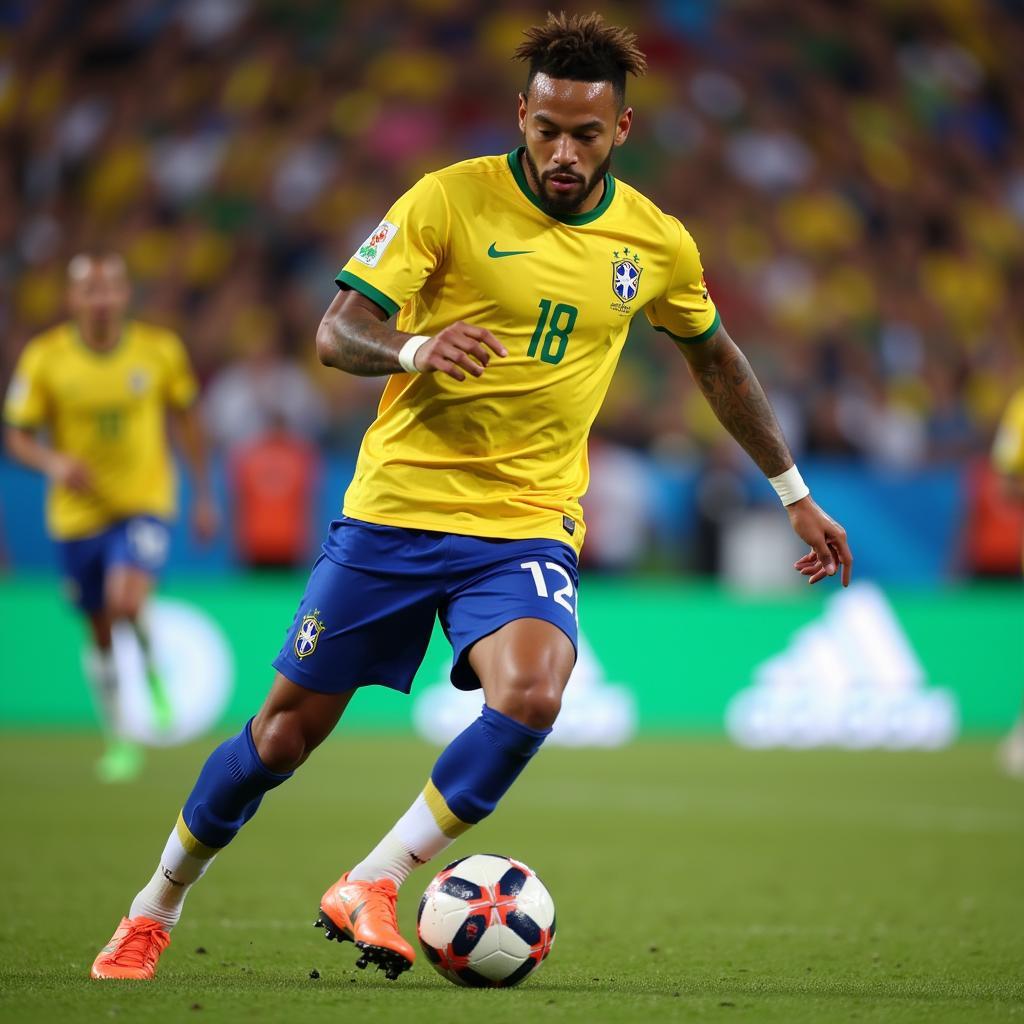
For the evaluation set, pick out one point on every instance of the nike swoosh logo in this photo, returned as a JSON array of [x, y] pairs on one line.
[[496, 254]]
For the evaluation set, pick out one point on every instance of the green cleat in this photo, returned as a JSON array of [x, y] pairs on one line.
[[121, 762], [163, 712]]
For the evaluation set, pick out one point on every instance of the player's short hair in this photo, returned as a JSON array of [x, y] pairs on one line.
[[582, 48], [79, 264]]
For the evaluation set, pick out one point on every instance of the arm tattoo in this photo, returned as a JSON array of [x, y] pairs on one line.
[[727, 381], [360, 344]]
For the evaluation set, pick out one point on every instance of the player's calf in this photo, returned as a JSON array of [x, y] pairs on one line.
[[228, 792], [226, 795]]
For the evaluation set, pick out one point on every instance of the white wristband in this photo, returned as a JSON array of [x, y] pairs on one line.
[[789, 486], [407, 353]]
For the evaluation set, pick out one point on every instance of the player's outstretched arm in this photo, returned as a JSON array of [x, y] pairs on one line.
[[354, 336], [727, 381], [192, 443], [25, 447]]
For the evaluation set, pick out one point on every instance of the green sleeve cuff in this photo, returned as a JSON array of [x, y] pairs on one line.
[[350, 280], [703, 336], [9, 421]]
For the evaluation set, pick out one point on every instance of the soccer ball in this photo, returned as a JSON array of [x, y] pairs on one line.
[[486, 921]]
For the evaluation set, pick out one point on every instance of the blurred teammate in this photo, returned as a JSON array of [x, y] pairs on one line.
[[514, 279], [1008, 458], [86, 407]]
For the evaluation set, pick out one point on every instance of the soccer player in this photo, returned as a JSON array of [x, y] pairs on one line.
[[1008, 459], [86, 406], [514, 280]]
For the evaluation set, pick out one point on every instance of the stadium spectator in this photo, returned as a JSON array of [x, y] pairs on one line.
[[274, 477], [248, 398]]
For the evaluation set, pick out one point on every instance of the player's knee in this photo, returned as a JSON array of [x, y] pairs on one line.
[[123, 606], [542, 706], [280, 740], [119, 610], [532, 697], [99, 626]]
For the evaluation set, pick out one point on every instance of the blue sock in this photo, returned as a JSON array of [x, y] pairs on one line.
[[228, 791], [477, 768]]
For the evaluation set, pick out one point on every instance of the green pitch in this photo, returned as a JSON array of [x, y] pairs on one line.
[[692, 881]]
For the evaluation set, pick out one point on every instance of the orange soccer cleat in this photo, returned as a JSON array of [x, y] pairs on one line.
[[364, 913], [133, 950]]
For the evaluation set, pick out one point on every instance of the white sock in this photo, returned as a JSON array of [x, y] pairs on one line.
[[427, 828], [165, 893], [101, 671]]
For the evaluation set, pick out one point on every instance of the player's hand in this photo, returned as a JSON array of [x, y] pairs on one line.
[[827, 540], [458, 350], [205, 518], [70, 473]]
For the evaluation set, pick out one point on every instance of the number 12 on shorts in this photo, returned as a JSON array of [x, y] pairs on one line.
[[562, 596]]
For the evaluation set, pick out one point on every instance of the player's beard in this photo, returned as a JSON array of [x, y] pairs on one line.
[[562, 206]]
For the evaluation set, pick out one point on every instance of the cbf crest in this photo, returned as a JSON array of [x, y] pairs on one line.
[[308, 634], [626, 271]]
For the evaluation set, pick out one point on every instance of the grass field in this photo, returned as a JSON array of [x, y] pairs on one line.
[[692, 880]]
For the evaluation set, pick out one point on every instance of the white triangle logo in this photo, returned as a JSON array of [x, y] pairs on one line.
[[849, 679]]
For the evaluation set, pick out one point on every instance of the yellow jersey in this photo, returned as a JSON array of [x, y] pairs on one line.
[[106, 409], [1008, 448], [505, 455]]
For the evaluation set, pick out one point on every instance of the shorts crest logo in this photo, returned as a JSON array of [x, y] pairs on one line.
[[308, 634], [373, 248]]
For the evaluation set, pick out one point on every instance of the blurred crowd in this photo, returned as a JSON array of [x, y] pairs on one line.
[[853, 175]]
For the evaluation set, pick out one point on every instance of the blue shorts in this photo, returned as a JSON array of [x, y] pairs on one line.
[[369, 607], [141, 542]]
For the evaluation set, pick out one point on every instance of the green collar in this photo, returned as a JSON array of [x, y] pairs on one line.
[[99, 353], [515, 165]]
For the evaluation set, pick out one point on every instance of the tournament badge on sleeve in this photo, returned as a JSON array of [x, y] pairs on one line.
[[308, 634], [379, 239]]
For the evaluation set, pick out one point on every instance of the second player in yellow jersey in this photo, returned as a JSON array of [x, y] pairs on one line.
[[106, 408], [87, 407]]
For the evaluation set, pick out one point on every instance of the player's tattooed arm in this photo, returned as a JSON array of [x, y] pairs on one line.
[[191, 442], [727, 381], [355, 337]]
